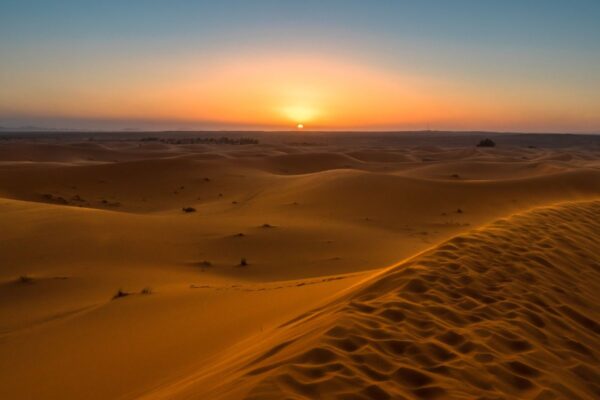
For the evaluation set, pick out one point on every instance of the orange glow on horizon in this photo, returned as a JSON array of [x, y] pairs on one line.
[[279, 92], [273, 92]]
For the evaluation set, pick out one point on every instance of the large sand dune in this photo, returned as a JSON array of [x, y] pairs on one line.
[[506, 311], [480, 309]]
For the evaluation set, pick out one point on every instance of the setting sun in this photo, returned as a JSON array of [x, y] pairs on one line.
[[300, 126]]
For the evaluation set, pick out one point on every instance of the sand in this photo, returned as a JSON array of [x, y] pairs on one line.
[[458, 321], [376, 268]]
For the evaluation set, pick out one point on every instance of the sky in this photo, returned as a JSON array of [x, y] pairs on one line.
[[522, 65]]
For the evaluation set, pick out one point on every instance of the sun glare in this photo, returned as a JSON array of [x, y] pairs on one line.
[[300, 126], [299, 113]]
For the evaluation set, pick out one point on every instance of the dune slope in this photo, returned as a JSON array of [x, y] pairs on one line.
[[507, 311]]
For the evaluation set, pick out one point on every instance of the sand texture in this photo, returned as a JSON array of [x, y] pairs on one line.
[[322, 266], [505, 311]]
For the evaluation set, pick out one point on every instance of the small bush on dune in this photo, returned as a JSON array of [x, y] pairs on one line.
[[243, 262], [120, 293], [25, 279], [146, 290], [188, 209], [486, 143]]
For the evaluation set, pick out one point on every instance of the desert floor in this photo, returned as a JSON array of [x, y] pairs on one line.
[[414, 266]]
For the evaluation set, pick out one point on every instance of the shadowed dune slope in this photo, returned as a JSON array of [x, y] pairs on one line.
[[507, 311]]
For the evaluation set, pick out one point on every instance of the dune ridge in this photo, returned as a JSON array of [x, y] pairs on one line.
[[506, 311]]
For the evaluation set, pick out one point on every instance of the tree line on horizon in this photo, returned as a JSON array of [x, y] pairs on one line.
[[202, 140]]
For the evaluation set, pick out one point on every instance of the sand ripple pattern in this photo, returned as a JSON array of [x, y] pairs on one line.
[[508, 311]]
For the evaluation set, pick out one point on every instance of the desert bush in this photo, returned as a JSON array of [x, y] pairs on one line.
[[146, 290], [486, 143], [120, 293], [25, 279], [188, 209]]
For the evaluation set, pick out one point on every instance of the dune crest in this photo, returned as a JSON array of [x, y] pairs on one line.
[[506, 311]]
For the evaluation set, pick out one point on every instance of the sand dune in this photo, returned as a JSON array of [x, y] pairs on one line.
[[506, 311], [318, 220]]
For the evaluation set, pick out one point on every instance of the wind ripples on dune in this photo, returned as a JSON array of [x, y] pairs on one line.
[[506, 311]]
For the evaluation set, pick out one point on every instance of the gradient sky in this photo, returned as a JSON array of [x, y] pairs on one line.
[[383, 65]]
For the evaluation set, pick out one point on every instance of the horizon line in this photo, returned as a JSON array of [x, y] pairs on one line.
[[42, 130]]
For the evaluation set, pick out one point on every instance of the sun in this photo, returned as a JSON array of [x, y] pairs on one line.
[[300, 126]]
